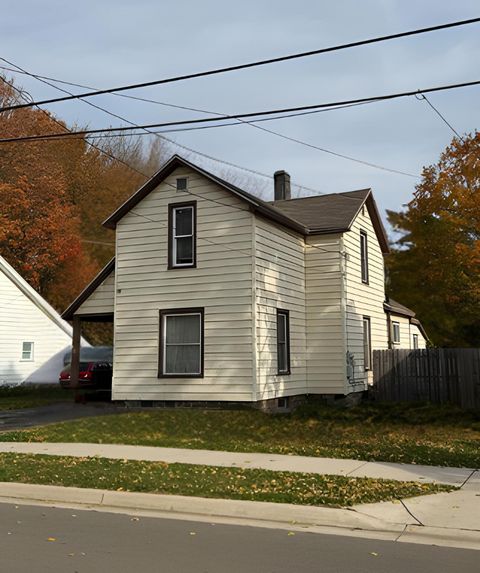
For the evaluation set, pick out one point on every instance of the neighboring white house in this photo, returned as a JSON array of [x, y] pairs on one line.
[[217, 295], [33, 336]]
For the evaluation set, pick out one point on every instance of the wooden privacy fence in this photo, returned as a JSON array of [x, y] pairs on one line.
[[438, 375]]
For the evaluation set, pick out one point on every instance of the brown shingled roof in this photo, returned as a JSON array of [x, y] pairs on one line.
[[333, 213], [325, 213]]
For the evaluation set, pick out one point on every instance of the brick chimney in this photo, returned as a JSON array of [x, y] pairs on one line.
[[282, 185]]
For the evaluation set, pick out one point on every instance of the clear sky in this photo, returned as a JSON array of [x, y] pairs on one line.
[[107, 43]]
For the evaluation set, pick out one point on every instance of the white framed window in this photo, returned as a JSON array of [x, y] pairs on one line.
[[396, 332], [367, 343], [283, 342], [27, 350], [182, 241], [181, 343], [415, 341], [364, 256]]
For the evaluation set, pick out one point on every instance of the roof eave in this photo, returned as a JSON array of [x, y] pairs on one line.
[[69, 313]]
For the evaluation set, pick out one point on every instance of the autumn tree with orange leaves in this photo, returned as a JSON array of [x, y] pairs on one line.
[[55, 194], [435, 264]]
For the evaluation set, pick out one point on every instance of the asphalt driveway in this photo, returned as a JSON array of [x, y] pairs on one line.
[[60, 412]]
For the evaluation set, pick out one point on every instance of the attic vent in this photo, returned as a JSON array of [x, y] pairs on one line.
[[182, 184]]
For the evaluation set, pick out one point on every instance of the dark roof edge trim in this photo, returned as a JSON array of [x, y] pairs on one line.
[[393, 309], [377, 223], [417, 323], [88, 290]]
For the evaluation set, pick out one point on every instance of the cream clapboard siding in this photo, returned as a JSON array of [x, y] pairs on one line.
[[221, 283], [326, 367], [422, 343], [407, 330], [21, 320], [102, 300], [364, 299], [279, 284]]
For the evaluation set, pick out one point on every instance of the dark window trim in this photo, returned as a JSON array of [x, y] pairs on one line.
[[185, 178], [285, 313], [171, 207], [369, 321], [365, 278], [166, 312]]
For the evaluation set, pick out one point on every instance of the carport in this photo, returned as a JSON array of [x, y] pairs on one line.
[[94, 304]]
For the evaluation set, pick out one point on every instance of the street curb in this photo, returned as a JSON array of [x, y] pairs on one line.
[[212, 508], [339, 521]]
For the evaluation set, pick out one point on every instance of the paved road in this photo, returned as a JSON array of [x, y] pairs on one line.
[[86, 541], [28, 417]]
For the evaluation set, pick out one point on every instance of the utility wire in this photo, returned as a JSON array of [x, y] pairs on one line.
[[320, 106], [25, 95], [252, 64], [239, 122], [442, 117], [148, 131]]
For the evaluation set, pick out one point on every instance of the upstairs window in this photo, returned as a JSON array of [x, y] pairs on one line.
[[181, 343], [27, 350], [182, 239], [415, 341], [364, 256], [396, 332], [283, 342], [367, 343]]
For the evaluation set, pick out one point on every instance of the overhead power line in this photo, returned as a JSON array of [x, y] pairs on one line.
[[146, 131], [160, 134], [320, 106], [250, 64], [423, 97]]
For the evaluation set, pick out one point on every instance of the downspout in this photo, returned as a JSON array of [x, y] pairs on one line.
[[343, 306], [389, 330], [254, 309]]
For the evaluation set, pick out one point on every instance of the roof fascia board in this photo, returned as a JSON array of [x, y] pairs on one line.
[[34, 296], [89, 290]]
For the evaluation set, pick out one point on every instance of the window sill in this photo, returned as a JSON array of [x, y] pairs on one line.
[[178, 376], [180, 267]]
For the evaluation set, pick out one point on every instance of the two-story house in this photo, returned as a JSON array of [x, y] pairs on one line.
[[217, 295]]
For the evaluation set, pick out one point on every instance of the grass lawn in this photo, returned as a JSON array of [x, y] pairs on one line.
[[416, 433], [206, 481], [29, 397]]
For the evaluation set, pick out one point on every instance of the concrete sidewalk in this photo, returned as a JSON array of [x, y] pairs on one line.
[[451, 519], [351, 468]]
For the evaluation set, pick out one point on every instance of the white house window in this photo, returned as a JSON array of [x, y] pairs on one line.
[[181, 184], [181, 343], [283, 342], [27, 350], [415, 341], [367, 343], [182, 235], [396, 332], [364, 256]]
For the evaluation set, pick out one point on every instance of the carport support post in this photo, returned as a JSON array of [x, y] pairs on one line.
[[75, 362]]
